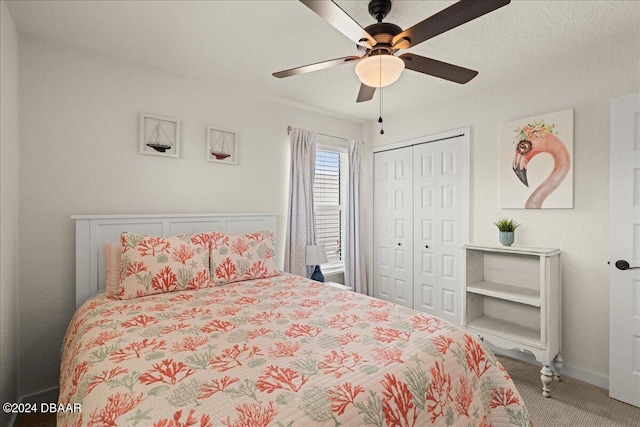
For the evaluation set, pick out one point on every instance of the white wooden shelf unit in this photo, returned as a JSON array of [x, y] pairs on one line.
[[512, 299]]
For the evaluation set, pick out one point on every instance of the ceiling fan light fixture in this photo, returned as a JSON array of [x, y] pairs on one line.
[[379, 70]]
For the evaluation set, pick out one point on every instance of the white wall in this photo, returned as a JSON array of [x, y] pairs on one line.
[[79, 155], [586, 85], [8, 209]]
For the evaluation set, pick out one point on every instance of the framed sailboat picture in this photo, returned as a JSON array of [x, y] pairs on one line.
[[222, 146], [159, 136]]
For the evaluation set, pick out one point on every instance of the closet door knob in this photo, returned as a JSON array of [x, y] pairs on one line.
[[399, 244], [426, 246]]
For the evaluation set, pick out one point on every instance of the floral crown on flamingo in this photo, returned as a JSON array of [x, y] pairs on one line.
[[533, 130]]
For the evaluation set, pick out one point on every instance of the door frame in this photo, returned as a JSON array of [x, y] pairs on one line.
[[463, 132], [620, 108]]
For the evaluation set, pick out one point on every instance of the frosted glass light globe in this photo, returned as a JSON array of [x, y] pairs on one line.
[[379, 70]]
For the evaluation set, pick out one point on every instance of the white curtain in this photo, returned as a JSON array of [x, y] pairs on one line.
[[355, 273], [301, 229]]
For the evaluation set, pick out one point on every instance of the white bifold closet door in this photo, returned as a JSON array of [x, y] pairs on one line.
[[419, 214], [393, 226]]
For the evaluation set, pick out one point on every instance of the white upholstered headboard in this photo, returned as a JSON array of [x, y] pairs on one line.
[[93, 230]]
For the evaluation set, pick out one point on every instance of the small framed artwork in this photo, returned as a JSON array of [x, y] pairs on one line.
[[222, 146], [159, 136]]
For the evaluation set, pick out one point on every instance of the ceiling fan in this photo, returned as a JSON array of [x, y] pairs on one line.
[[378, 65]]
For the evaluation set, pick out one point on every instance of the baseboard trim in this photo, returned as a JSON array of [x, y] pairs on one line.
[[597, 380]]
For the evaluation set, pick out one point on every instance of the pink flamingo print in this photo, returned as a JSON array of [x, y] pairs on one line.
[[541, 142]]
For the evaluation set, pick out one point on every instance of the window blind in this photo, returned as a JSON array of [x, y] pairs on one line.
[[328, 204]]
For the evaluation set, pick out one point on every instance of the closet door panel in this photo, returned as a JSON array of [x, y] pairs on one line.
[[393, 226], [451, 179], [439, 172], [424, 247]]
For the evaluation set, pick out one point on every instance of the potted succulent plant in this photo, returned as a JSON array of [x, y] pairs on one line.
[[507, 228]]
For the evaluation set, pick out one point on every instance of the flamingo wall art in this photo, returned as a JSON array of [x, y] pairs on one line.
[[536, 168]]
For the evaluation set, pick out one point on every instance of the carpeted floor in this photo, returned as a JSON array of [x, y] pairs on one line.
[[572, 403]]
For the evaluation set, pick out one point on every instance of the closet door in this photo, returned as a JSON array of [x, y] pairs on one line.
[[393, 226], [438, 221]]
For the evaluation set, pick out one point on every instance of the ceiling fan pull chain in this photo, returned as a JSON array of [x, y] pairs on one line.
[[380, 77], [380, 118]]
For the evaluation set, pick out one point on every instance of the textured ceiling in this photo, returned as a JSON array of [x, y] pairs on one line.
[[243, 42]]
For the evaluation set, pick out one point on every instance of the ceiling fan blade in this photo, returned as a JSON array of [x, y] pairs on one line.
[[338, 18], [366, 93], [451, 17], [315, 67], [436, 68]]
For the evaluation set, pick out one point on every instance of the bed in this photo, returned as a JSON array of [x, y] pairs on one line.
[[280, 350]]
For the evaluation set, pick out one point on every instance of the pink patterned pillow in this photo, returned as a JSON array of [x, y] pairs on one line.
[[112, 267], [153, 265], [235, 258]]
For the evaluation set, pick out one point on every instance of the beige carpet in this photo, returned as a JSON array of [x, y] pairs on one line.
[[572, 403]]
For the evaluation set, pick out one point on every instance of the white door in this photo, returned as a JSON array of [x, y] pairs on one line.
[[439, 230], [624, 311], [393, 233]]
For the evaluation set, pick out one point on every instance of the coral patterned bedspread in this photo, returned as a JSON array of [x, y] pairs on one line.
[[283, 351]]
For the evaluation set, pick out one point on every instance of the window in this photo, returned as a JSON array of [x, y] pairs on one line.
[[329, 188]]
